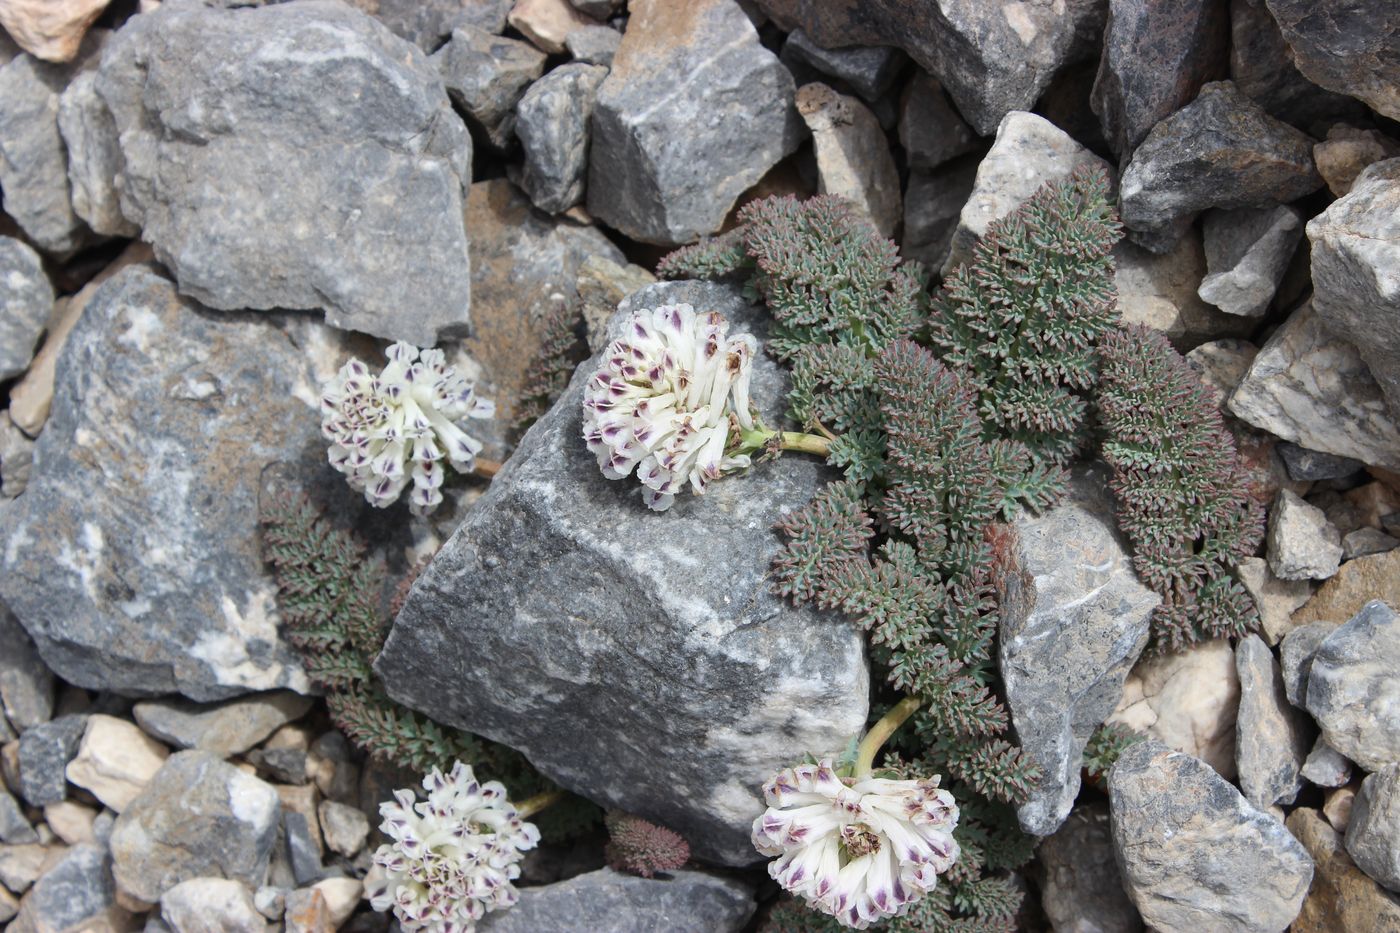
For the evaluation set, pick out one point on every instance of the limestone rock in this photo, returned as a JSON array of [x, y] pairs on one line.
[[1347, 151], [16, 458], [1367, 541], [1272, 737], [224, 729], [1296, 657], [867, 70], [1325, 766], [428, 23], [15, 828], [853, 158], [26, 684], [1373, 832], [1342, 897], [77, 893], [71, 822], [1346, 47], [744, 681], [22, 865], [346, 828], [1275, 598], [210, 905], [933, 204], [602, 284], [1352, 689], [1074, 618], [94, 157], [606, 901], [1303, 544], [1197, 855], [294, 156], [1308, 466], [685, 64], [26, 299], [1247, 252], [1356, 583], [199, 817], [44, 752], [1160, 291], [547, 23], [1221, 150], [115, 761], [930, 130], [1221, 364], [52, 30], [486, 75], [1081, 887], [552, 123], [593, 45]]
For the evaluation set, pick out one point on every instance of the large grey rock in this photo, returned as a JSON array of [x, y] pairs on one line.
[[1353, 692], [427, 23], [930, 130], [1311, 387], [606, 901], [1302, 544], [657, 672], [1074, 618], [133, 559], [1081, 889], [1373, 834], [44, 753], [485, 75], [552, 123], [1272, 737], [1156, 56], [1197, 855], [198, 818], [1296, 656], [1356, 271], [683, 65], [1347, 47], [26, 300], [853, 156], [1221, 150], [1247, 252], [297, 155], [94, 157], [26, 683], [225, 729], [77, 893]]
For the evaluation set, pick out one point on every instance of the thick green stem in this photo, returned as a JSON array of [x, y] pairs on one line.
[[880, 733], [535, 804], [806, 443]]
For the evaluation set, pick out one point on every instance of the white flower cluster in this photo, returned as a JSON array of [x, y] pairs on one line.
[[398, 426], [858, 850], [454, 855], [662, 402]]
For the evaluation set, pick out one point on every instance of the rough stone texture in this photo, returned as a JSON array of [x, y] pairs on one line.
[[1276, 599], [225, 729], [345, 828], [1028, 151], [77, 893], [44, 751], [1336, 806], [1160, 292], [933, 206], [133, 559], [26, 684], [685, 65], [1311, 387], [868, 70], [660, 638], [198, 818], [993, 58], [1342, 897], [52, 30], [1311, 465], [15, 829], [1296, 657], [1074, 618], [21, 865], [1356, 271], [294, 156], [302, 852], [1366, 541], [547, 23], [71, 822], [1156, 56], [1247, 252], [1302, 544], [602, 284], [552, 123], [1352, 689], [593, 45], [1347, 152], [1221, 364], [853, 158], [1272, 737], [1221, 150], [1187, 700], [94, 157], [1356, 583], [427, 23], [485, 75], [1081, 888], [16, 458], [1325, 766], [9, 906], [930, 130], [210, 905], [1346, 47], [1197, 855], [606, 901], [1373, 831], [115, 761], [26, 299]]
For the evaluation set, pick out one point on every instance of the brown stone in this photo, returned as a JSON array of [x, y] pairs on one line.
[[1341, 897], [50, 29], [547, 23], [1375, 576]]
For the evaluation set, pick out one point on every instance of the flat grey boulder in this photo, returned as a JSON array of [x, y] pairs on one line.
[[605, 901], [1373, 833], [1195, 854], [133, 558], [640, 659], [1352, 690], [1074, 619], [1272, 738], [552, 123], [294, 156]]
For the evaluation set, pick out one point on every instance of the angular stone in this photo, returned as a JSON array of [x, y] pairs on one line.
[[210, 905], [1366, 541], [198, 818], [427, 23], [1272, 737], [294, 156], [1189, 701], [52, 30], [1247, 252], [593, 45], [115, 761], [1311, 465], [485, 75], [1276, 599], [685, 64], [1156, 56], [1303, 544], [606, 901], [1325, 766], [287, 765], [94, 157], [930, 130], [44, 751], [547, 23], [1347, 152], [16, 459], [1074, 618], [134, 559], [71, 822], [1346, 47], [1312, 388], [933, 204], [1373, 832], [15, 829], [9, 906], [1161, 292], [341, 896], [1221, 150], [225, 729], [302, 851], [1296, 657], [1337, 806], [598, 9], [602, 284], [867, 70], [552, 123], [602, 665], [1028, 152], [1342, 897], [1081, 887], [1356, 583], [26, 684], [22, 865], [1352, 689], [26, 300], [307, 912], [1356, 271], [1195, 854], [77, 893], [345, 828], [853, 157]]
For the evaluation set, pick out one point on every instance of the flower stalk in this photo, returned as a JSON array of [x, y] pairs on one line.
[[880, 733]]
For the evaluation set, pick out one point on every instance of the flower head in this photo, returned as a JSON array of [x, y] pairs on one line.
[[661, 403], [400, 425], [454, 855], [860, 850]]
